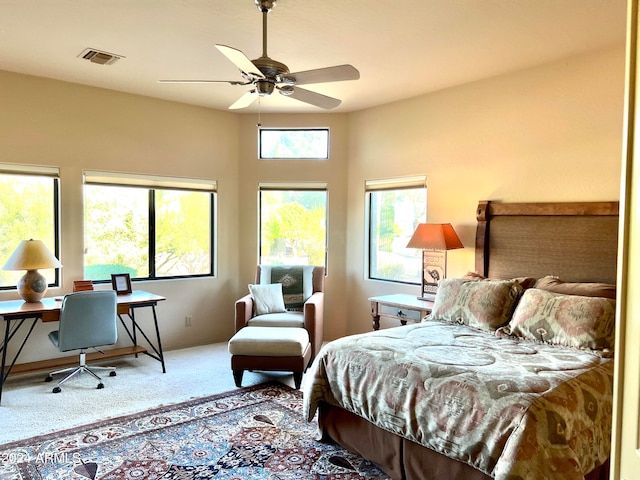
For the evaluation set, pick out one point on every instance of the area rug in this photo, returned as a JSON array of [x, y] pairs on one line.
[[252, 433]]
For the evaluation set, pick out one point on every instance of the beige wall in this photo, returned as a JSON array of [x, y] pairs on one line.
[[550, 133], [45, 122]]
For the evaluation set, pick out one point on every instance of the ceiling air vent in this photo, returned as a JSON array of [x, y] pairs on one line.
[[100, 57]]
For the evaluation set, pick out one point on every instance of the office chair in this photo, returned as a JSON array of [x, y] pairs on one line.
[[87, 320]]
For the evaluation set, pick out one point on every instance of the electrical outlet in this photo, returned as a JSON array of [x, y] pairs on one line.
[[187, 321]]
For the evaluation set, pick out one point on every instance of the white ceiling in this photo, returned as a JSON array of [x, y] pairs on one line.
[[402, 48]]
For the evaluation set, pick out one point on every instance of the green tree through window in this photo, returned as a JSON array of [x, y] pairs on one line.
[[118, 226], [293, 226], [28, 209], [394, 215]]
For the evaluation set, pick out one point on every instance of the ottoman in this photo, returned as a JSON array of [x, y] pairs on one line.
[[284, 349]]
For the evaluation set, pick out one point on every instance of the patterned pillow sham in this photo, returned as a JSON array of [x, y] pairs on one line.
[[554, 284], [587, 323], [525, 282], [481, 304]]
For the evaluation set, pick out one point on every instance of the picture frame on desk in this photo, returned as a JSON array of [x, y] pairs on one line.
[[121, 283]]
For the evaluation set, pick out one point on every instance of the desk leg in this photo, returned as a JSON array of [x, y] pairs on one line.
[[4, 357], [159, 355], [8, 335], [159, 351]]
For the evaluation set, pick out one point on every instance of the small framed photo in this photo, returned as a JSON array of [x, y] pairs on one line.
[[121, 283], [433, 268]]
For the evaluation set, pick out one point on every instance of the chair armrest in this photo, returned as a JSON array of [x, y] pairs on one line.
[[244, 311], [313, 321]]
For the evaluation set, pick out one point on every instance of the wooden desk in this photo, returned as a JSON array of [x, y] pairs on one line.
[[400, 307], [16, 313]]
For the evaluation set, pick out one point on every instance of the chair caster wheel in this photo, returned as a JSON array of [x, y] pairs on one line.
[[56, 390], [100, 385], [48, 379], [112, 374]]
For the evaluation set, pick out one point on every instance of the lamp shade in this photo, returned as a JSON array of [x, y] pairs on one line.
[[31, 255], [435, 236]]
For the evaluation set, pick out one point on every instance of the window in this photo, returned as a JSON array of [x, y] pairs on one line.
[[294, 143], [148, 227], [396, 207], [293, 224], [29, 208]]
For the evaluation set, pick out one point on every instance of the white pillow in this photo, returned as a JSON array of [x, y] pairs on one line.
[[267, 298]]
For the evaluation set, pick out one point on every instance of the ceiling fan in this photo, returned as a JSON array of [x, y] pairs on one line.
[[266, 75]]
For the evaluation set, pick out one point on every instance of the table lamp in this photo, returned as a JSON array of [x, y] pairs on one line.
[[434, 237], [30, 256]]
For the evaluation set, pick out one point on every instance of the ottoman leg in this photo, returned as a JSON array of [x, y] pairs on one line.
[[237, 376], [297, 379]]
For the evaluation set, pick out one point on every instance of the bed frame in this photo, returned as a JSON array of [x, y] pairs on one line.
[[576, 242]]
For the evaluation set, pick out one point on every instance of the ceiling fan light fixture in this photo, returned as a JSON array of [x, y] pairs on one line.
[[286, 90], [286, 79], [264, 87]]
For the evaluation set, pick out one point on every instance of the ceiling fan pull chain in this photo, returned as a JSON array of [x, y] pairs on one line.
[[259, 105]]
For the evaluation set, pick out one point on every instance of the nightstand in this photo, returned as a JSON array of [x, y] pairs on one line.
[[400, 307]]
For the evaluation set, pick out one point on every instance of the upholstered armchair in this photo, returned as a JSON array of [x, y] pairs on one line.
[[303, 303]]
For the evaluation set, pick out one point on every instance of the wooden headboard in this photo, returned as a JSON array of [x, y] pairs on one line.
[[577, 242]]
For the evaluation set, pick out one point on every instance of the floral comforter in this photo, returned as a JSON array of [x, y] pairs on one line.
[[510, 408]]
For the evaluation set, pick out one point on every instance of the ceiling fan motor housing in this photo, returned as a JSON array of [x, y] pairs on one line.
[[270, 68]]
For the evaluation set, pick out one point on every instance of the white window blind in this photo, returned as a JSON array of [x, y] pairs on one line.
[[148, 181], [417, 181]]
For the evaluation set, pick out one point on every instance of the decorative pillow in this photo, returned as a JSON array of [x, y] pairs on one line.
[[296, 280], [267, 298], [485, 304], [554, 284], [525, 282], [569, 320]]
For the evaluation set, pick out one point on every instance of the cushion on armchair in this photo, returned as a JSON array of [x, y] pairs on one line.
[[282, 319], [267, 298], [297, 283]]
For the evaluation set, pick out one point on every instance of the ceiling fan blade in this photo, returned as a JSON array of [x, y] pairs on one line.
[[339, 73], [231, 82], [240, 60], [245, 100], [312, 98]]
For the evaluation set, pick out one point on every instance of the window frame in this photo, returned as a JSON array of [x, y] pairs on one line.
[[153, 183], [52, 173], [389, 184], [291, 129]]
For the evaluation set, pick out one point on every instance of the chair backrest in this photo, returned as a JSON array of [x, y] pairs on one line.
[[88, 319], [299, 282]]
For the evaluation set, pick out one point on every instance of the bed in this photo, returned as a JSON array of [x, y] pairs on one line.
[[510, 377]]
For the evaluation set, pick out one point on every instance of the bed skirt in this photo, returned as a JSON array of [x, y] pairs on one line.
[[401, 459]]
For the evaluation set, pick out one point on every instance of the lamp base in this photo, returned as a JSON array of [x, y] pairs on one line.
[[32, 286]]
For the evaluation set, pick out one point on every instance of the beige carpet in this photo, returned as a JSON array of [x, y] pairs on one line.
[[29, 407]]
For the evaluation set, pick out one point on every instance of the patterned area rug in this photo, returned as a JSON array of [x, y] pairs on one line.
[[251, 433]]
